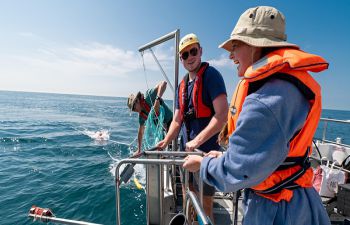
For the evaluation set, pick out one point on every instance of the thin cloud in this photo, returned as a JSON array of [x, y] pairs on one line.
[[92, 59], [90, 67], [222, 62], [27, 34]]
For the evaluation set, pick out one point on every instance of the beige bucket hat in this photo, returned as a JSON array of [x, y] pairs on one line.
[[262, 26], [132, 100]]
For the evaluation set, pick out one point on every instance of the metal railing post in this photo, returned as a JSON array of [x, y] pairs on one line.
[[324, 131], [198, 208]]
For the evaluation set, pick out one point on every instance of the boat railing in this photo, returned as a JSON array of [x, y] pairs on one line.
[[325, 148], [170, 158], [174, 154], [326, 121], [191, 198]]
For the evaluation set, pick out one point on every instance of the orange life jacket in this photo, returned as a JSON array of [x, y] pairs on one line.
[[293, 64], [145, 108], [201, 110]]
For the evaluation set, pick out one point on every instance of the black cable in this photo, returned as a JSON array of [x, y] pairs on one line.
[[319, 153], [344, 161]]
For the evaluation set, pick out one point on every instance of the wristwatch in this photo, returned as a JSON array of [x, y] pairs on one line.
[[159, 99]]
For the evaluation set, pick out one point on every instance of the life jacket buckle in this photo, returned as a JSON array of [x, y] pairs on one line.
[[233, 110], [190, 115]]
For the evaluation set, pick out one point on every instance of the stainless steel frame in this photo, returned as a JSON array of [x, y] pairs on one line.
[[140, 161], [175, 34], [157, 181]]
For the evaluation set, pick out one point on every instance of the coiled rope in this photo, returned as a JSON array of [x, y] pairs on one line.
[[154, 129]]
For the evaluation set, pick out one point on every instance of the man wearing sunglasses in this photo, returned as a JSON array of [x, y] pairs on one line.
[[142, 104], [201, 105]]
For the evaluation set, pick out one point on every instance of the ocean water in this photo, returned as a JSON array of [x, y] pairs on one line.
[[334, 130], [51, 156]]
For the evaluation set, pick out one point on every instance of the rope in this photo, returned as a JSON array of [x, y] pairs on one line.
[[154, 130], [144, 69], [124, 143]]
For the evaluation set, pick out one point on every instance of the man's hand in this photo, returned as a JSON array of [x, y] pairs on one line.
[[192, 163], [162, 145], [191, 145], [137, 153], [215, 154]]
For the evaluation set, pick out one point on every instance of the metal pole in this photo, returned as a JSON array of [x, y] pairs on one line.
[[60, 220], [186, 179], [200, 190], [161, 192], [158, 41], [176, 75], [176, 63], [171, 153], [200, 180], [198, 208], [117, 194], [161, 70], [334, 120], [324, 131]]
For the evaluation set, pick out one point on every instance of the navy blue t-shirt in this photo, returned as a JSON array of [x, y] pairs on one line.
[[213, 86]]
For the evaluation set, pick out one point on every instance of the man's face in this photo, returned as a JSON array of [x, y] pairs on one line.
[[137, 106], [191, 57]]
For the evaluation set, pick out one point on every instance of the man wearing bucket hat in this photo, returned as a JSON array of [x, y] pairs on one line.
[[272, 118], [142, 104], [201, 105]]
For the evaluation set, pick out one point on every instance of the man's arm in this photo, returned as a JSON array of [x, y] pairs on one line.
[[139, 138], [160, 89], [215, 125], [173, 130]]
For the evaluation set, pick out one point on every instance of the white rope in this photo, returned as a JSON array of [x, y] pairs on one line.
[[144, 69], [145, 74]]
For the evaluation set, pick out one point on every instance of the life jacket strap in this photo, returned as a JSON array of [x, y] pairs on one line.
[[294, 161], [145, 109], [289, 183], [189, 115]]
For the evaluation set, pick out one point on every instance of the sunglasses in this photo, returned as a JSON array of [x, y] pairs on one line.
[[192, 52]]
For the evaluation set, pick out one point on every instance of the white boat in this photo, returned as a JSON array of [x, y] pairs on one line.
[[164, 171]]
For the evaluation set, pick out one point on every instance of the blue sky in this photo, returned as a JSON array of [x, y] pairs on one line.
[[90, 47]]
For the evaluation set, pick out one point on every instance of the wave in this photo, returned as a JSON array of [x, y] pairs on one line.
[[18, 140], [100, 135]]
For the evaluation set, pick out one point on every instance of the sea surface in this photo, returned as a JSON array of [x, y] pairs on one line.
[[51, 156]]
